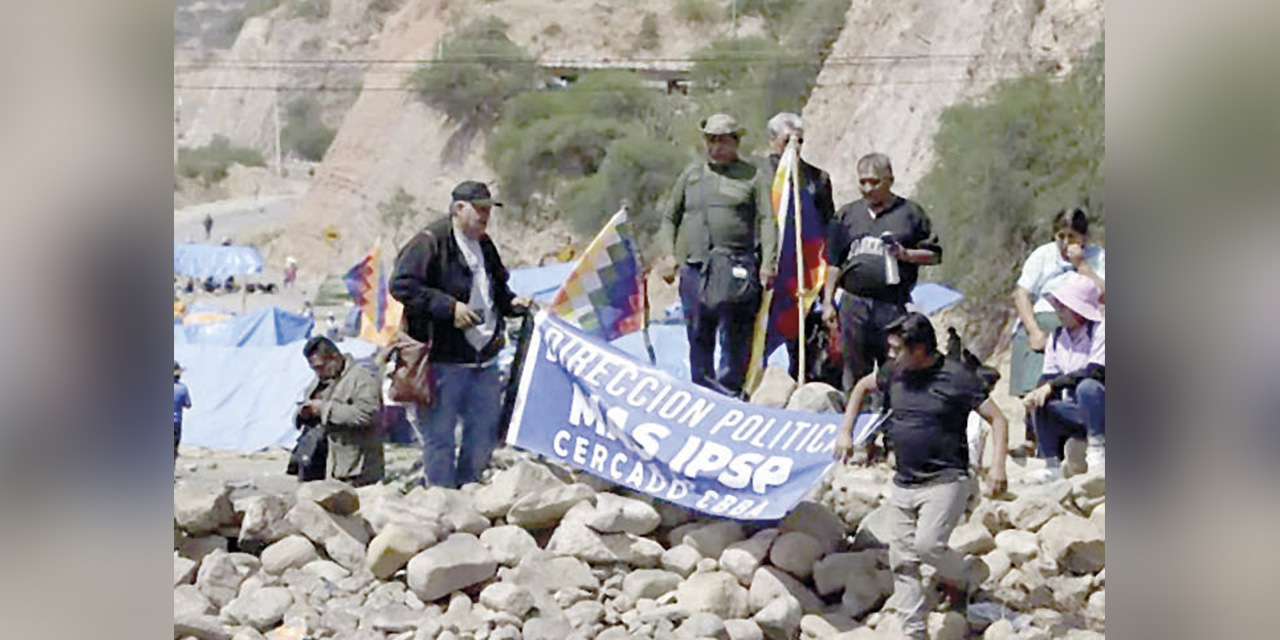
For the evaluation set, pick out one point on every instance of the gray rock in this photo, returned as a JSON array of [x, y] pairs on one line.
[[326, 569], [585, 614], [874, 530], [197, 548], [715, 592], [972, 539], [201, 627], [341, 540], [395, 618], [454, 508], [586, 544], [508, 486], [456, 563], [184, 570], [1019, 545], [780, 619], [771, 583], [680, 559], [392, 548], [287, 553], [991, 514], [545, 508], [201, 508], [616, 514], [743, 630], [506, 632], [221, 574], [508, 543], [335, 496], [1030, 512], [775, 388], [818, 397], [703, 625], [507, 597], [1074, 543], [673, 515], [248, 634], [832, 572], [543, 628], [947, 626], [825, 626], [743, 558], [188, 601], [711, 539], [819, 521], [262, 609], [998, 563], [649, 583], [795, 552], [1099, 518], [262, 521], [339, 622], [853, 497]]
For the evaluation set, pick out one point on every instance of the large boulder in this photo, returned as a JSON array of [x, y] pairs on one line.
[[452, 507], [293, 551], [545, 508], [1030, 512], [456, 563], [494, 500], [825, 626], [222, 573], [184, 570], [972, 538], [507, 597], [795, 553], [831, 573], [586, 544], [262, 609], [710, 539], [649, 583], [262, 521], [771, 583], [392, 548], [681, 559], [1019, 546], [616, 514], [743, 558], [875, 530], [188, 601], [508, 543], [818, 397], [342, 538], [714, 592], [775, 388], [853, 497], [780, 619], [743, 630], [202, 508], [1074, 543], [819, 521], [335, 496]]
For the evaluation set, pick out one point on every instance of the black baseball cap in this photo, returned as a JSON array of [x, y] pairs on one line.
[[475, 193]]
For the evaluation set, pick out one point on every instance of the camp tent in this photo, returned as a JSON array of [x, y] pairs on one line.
[[191, 260]]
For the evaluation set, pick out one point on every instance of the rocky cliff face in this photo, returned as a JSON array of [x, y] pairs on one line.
[[897, 66]]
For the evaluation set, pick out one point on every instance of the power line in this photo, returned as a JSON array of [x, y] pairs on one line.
[[327, 88]]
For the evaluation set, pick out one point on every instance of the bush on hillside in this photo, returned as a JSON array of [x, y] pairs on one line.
[[648, 38], [210, 162], [751, 78], [311, 9], [477, 71], [304, 133], [698, 11], [398, 214], [1003, 166]]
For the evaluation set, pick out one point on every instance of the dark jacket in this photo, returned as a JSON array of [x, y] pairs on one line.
[[349, 417], [816, 181], [430, 275]]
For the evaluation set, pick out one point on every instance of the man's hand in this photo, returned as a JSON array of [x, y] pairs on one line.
[[1037, 397], [1037, 338], [666, 268], [844, 447], [997, 483], [464, 317], [894, 250], [309, 409], [767, 276], [1075, 255]]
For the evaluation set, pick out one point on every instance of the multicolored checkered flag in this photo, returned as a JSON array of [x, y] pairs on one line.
[[604, 294]]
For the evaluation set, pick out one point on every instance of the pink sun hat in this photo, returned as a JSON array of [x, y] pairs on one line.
[[1079, 294]]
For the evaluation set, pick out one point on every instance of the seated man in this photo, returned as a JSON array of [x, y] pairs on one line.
[[344, 400], [1069, 401]]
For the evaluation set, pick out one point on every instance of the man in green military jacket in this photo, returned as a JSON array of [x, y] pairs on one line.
[[344, 400]]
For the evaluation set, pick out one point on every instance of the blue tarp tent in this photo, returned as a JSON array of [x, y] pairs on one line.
[[204, 260], [269, 326], [539, 283]]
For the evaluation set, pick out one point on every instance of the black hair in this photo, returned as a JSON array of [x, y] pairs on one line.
[[914, 328], [316, 344], [1073, 219]]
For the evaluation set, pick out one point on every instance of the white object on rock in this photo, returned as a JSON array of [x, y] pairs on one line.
[[393, 547], [456, 563], [292, 551]]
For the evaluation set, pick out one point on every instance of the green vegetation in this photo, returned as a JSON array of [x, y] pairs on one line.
[[224, 34], [698, 11], [606, 138], [210, 162], [1004, 165], [398, 214], [477, 71], [304, 133]]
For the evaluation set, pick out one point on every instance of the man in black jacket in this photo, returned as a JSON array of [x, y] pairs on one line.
[[454, 290]]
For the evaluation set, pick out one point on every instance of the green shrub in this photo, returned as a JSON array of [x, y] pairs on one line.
[[1004, 165], [304, 133], [210, 162], [478, 70], [698, 11], [648, 38], [398, 214], [752, 78], [384, 6]]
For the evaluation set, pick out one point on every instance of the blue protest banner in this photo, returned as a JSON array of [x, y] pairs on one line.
[[593, 407]]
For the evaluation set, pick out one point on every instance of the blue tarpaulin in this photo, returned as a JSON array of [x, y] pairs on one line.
[[192, 260], [269, 326]]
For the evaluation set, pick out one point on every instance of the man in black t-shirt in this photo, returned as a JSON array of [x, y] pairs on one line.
[[875, 247], [929, 398]]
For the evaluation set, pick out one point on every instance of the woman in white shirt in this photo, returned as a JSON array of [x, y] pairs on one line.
[[1044, 269]]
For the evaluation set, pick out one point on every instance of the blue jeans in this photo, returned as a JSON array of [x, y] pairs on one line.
[[733, 324], [1083, 413], [474, 395]]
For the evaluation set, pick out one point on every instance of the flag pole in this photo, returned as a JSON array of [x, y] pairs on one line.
[[644, 292], [801, 312]]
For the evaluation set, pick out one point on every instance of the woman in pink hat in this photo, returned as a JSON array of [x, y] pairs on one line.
[[1069, 400]]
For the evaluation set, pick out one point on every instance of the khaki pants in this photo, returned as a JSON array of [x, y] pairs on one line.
[[921, 520]]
